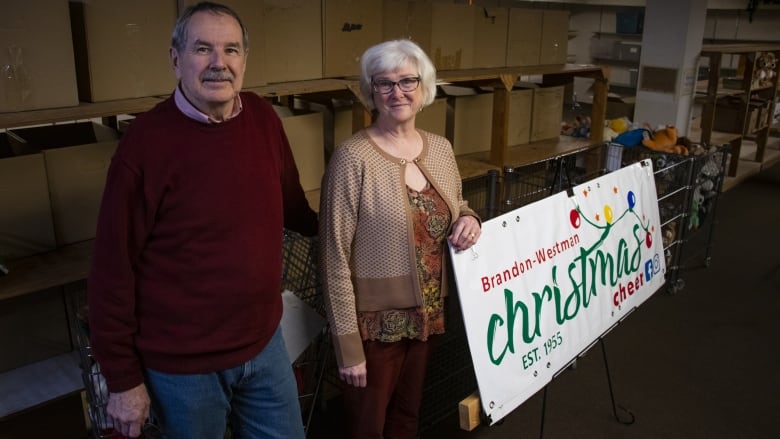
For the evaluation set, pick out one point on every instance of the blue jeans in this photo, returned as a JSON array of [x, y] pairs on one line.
[[259, 399]]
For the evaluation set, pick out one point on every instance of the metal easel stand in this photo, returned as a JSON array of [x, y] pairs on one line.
[[628, 417]]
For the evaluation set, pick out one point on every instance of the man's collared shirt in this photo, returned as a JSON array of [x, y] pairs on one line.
[[186, 107]]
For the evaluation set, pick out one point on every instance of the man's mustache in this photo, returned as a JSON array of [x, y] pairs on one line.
[[212, 75]]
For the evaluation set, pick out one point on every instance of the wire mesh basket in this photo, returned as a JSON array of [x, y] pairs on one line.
[[301, 276], [527, 183], [480, 192], [95, 385]]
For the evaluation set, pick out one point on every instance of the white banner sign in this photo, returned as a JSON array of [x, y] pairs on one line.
[[548, 279]]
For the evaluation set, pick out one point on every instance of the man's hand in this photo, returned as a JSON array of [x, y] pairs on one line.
[[129, 410]]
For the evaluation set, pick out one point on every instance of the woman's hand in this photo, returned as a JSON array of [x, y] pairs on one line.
[[354, 375], [465, 233]]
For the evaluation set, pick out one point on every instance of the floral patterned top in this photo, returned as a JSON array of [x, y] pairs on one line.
[[431, 219]]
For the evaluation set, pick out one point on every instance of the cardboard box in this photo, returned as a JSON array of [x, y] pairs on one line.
[[292, 38], [452, 36], [430, 25], [36, 56], [121, 48], [623, 76], [620, 106], [349, 27], [76, 158], [524, 37], [490, 37], [433, 118], [26, 225], [405, 19], [342, 125], [520, 110], [727, 115], [555, 37], [252, 13], [547, 113], [305, 134], [469, 119], [33, 327], [628, 51]]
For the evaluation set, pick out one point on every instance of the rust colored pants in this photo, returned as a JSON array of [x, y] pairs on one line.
[[389, 406]]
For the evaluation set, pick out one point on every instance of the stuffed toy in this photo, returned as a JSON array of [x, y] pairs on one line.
[[619, 125], [631, 138], [579, 128], [665, 140], [696, 209]]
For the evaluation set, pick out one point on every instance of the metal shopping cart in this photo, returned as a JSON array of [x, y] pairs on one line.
[[95, 385], [299, 275]]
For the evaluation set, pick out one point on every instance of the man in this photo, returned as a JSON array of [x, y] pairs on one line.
[[184, 291]]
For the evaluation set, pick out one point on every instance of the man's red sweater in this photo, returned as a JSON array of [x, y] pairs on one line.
[[187, 265]]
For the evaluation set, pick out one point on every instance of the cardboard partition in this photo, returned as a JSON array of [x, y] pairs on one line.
[[305, 133], [349, 27], [36, 56], [292, 39], [547, 113], [252, 13], [524, 37], [26, 225], [555, 37], [76, 158], [121, 48]]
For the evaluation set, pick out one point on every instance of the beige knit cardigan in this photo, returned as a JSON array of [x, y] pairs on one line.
[[367, 254]]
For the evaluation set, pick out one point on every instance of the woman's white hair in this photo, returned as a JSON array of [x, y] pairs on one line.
[[391, 55]]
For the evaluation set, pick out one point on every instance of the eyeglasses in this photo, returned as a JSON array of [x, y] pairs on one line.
[[385, 86]]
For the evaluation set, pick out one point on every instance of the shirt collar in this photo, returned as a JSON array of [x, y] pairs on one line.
[[186, 107]]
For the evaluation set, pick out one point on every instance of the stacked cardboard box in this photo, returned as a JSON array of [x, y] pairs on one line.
[[36, 56]]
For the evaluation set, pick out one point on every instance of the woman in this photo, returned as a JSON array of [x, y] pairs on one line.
[[391, 196]]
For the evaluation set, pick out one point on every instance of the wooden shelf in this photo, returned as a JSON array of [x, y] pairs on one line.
[[35, 273], [617, 62], [470, 167], [635, 37], [305, 87], [513, 73], [85, 110], [535, 152], [748, 54], [717, 49]]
